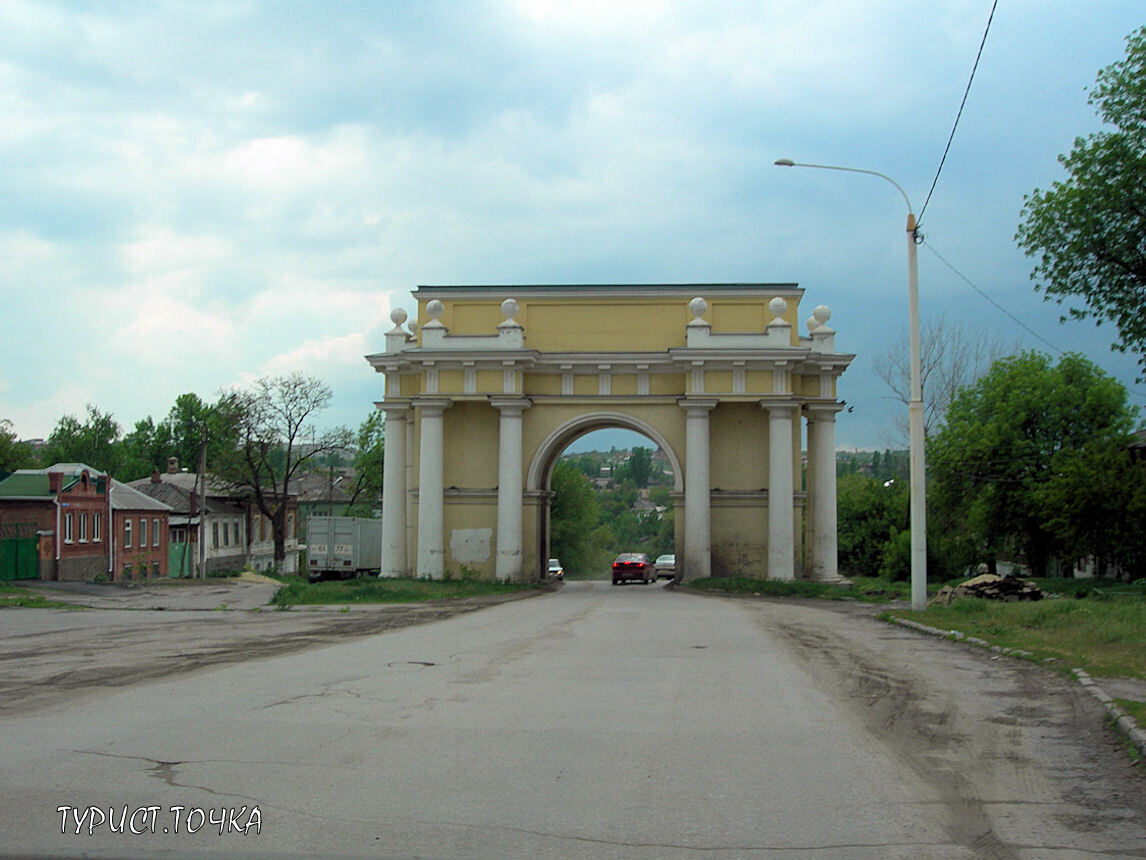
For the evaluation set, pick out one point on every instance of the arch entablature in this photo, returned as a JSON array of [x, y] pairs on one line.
[[490, 384]]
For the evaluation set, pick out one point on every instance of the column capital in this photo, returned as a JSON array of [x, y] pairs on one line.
[[433, 405], [823, 411], [391, 405], [780, 406], [697, 404], [510, 404]]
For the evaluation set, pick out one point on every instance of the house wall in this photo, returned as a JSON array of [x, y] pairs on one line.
[[146, 556], [40, 516], [83, 554]]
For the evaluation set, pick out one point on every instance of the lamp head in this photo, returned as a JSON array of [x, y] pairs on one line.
[[784, 162]]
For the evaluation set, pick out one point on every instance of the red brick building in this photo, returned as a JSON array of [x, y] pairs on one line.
[[64, 513], [139, 535]]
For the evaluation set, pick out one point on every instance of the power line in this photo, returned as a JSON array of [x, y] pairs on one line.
[[997, 306], [962, 104], [1131, 391]]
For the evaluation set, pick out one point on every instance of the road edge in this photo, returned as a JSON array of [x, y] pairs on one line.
[[1123, 723]]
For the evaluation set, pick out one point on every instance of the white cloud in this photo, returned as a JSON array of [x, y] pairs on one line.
[[263, 182]]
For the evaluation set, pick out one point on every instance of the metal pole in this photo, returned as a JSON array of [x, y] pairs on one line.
[[915, 417], [915, 405]]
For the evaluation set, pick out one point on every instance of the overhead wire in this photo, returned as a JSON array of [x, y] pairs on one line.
[[959, 114], [919, 236]]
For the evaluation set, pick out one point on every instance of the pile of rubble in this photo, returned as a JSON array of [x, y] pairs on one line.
[[990, 587]]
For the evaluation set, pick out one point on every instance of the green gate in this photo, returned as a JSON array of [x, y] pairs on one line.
[[178, 559], [18, 559]]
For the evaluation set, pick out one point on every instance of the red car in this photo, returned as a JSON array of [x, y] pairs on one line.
[[633, 566]]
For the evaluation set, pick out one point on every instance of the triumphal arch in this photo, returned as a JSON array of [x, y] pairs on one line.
[[489, 385]]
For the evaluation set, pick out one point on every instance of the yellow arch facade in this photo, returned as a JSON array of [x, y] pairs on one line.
[[489, 384]]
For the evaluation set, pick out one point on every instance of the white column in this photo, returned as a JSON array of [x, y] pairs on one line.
[[431, 528], [394, 490], [697, 489], [781, 535], [510, 484], [822, 450]]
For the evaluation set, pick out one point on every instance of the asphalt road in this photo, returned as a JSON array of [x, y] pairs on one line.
[[593, 721]]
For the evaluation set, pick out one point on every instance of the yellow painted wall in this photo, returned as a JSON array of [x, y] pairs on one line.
[[470, 450], [450, 381], [542, 384], [585, 384], [624, 384], [666, 383], [471, 535], [629, 325], [739, 539], [758, 382], [738, 434], [718, 382]]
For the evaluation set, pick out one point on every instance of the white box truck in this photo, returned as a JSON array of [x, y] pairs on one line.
[[342, 547]]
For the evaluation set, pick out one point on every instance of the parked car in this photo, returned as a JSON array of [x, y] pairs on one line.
[[633, 566], [556, 571], [665, 566]]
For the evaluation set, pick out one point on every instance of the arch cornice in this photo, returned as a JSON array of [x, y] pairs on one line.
[[548, 450]]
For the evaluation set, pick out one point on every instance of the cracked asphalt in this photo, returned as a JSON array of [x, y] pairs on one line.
[[588, 722]]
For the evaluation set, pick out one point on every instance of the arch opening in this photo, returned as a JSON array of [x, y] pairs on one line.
[[636, 497]]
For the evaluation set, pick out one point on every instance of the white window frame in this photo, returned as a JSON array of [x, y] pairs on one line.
[[83, 526], [155, 531], [97, 526], [69, 537], [127, 533], [142, 532]]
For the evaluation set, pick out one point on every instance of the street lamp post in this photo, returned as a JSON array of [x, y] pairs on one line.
[[915, 405]]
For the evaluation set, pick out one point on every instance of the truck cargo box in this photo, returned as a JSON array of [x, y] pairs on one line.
[[343, 547]]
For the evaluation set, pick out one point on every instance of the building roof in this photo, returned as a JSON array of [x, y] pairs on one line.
[[127, 498], [34, 483], [177, 494], [25, 486]]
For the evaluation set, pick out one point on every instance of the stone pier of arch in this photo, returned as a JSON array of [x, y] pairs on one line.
[[489, 385]]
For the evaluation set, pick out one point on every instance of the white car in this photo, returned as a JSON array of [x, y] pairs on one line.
[[665, 566], [556, 571]]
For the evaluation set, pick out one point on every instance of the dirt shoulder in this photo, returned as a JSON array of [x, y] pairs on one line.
[[134, 635]]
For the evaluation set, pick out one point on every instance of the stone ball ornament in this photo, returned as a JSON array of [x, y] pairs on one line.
[[777, 306], [398, 316], [434, 309], [698, 307], [509, 308]]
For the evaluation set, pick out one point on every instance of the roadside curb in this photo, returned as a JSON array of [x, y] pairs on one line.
[[1123, 723]]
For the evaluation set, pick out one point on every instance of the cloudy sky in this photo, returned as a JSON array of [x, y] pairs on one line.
[[196, 194]]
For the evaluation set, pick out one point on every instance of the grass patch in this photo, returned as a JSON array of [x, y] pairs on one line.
[[1105, 637], [1135, 709], [868, 589], [770, 587], [296, 591], [16, 596]]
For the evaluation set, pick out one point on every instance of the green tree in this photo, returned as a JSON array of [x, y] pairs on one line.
[[14, 454], [144, 449], [183, 428], [1087, 230], [1021, 451], [574, 515], [276, 439], [94, 442], [638, 469], [368, 464], [869, 514]]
